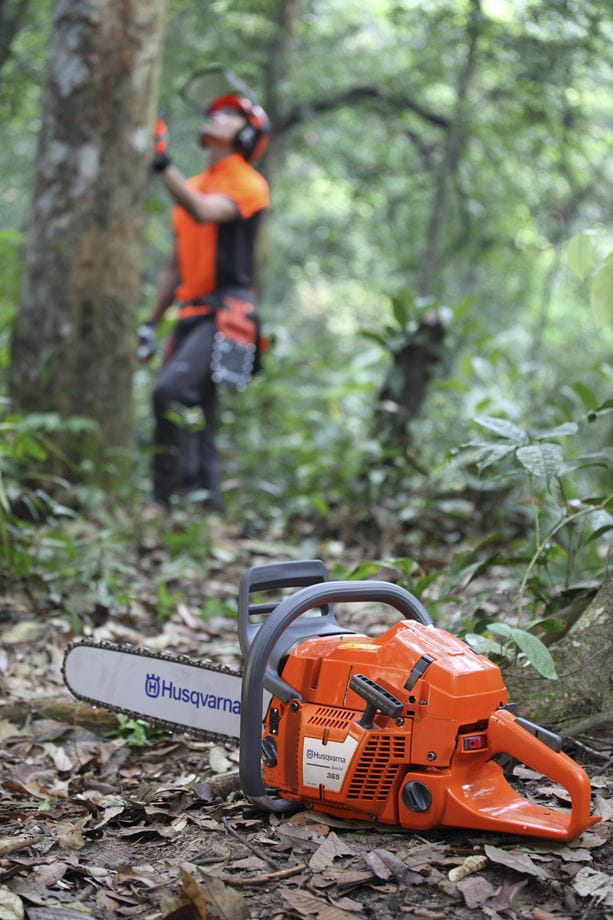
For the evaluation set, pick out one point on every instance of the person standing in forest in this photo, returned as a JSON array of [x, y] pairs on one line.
[[209, 270]]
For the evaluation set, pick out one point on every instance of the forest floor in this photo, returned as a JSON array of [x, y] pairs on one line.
[[111, 821]]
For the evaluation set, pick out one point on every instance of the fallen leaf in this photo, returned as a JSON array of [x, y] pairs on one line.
[[590, 883], [218, 759], [48, 730], [540, 914], [332, 847], [210, 896], [470, 865], [147, 875], [423, 913], [505, 896], [552, 790], [589, 841], [58, 913], [376, 864], [348, 878], [70, 837], [61, 760], [8, 730], [515, 859], [345, 903], [24, 631], [308, 905], [50, 875], [344, 823], [11, 906], [398, 869], [298, 834], [575, 855], [526, 773], [476, 891], [425, 854], [604, 808]]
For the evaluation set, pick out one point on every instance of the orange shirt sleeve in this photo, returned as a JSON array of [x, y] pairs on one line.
[[246, 187]]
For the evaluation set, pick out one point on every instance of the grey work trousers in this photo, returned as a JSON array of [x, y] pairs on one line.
[[186, 460]]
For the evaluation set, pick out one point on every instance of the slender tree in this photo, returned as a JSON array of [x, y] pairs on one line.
[[73, 340]]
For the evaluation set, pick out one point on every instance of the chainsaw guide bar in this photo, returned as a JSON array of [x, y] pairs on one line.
[[171, 691]]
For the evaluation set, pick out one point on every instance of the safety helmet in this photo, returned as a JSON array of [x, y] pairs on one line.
[[252, 139]]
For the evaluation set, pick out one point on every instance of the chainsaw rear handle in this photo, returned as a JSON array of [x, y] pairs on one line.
[[259, 673], [507, 735]]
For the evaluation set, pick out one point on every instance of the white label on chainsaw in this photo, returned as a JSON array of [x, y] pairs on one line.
[[326, 764], [205, 700]]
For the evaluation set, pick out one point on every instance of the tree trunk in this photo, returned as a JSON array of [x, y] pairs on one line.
[[73, 340], [405, 387], [450, 158], [278, 74], [582, 697]]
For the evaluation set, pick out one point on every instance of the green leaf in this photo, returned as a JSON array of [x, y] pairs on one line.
[[365, 569], [536, 652], [601, 294], [482, 644], [544, 460], [501, 629], [586, 395], [580, 254], [374, 337], [503, 428], [493, 453], [560, 432], [402, 308]]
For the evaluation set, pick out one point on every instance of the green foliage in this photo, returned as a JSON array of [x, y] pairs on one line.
[[27, 450], [512, 640], [167, 600], [298, 439], [565, 517], [135, 732], [214, 607], [594, 263]]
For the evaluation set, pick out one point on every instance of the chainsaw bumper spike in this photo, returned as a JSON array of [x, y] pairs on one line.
[[403, 729]]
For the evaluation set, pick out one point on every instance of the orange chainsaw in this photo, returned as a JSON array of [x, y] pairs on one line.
[[402, 729]]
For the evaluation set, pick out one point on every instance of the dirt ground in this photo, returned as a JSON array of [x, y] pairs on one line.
[[116, 820]]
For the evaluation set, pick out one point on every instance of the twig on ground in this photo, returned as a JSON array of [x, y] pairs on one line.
[[603, 768], [246, 843], [267, 877], [590, 750]]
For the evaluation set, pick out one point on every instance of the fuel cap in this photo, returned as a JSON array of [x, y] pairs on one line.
[[417, 796]]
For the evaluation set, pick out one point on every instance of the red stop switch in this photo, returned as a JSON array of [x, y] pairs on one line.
[[475, 742]]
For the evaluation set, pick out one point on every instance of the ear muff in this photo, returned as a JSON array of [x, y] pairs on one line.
[[245, 141], [252, 139]]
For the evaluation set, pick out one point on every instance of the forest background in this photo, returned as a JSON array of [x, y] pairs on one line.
[[436, 279]]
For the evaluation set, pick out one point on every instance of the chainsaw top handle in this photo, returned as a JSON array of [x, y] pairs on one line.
[[259, 672]]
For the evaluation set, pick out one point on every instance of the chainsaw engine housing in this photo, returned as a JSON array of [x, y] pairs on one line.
[[402, 729]]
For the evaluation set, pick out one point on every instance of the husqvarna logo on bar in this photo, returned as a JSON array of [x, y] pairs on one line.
[[156, 687], [152, 686]]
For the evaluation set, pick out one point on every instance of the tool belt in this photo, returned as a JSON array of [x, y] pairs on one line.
[[237, 344]]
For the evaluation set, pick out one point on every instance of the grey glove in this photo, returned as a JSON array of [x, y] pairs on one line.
[[146, 342]]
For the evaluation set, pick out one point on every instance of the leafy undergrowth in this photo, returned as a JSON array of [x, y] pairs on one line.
[[115, 819]]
